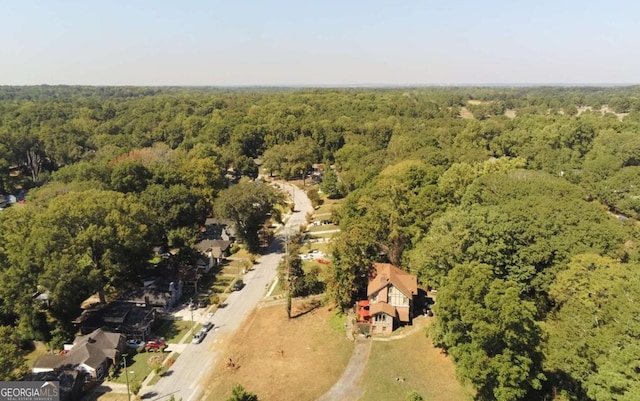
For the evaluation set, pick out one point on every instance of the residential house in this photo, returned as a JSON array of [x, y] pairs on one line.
[[156, 292], [390, 293], [214, 250], [118, 317], [91, 354], [70, 382]]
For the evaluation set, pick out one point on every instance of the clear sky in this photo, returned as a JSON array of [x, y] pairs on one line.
[[318, 42]]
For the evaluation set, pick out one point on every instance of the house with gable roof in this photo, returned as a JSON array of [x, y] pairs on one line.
[[390, 294], [91, 354]]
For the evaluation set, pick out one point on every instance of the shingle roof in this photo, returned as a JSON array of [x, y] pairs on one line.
[[382, 307], [385, 273], [92, 349]]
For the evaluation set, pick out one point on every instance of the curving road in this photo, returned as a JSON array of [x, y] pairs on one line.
[[185, 378]]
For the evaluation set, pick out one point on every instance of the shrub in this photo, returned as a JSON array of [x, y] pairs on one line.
[[414, 396], [135, 387]]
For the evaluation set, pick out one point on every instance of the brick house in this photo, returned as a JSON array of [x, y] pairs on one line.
[[390, 293]]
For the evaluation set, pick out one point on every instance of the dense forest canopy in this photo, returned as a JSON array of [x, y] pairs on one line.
[[520, 205]]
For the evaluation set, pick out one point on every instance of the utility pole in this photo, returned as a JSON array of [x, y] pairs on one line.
[[126, 373], [287, 272]]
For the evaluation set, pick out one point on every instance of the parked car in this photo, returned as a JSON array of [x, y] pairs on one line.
[[207, 326], [155, 345], [198, 337], [193, 306], [202, 304], [239, 284], [135, 343]]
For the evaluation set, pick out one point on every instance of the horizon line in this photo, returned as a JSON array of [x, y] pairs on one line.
[[351, 86]]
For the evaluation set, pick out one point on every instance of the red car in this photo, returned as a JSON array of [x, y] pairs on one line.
[[155, 345]]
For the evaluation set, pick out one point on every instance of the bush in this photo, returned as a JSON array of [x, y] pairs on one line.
[[312, 194], [414, 396], [235, 248], [135, 387]]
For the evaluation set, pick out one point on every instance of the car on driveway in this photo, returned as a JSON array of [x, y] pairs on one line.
[[198, 337], [135, 343], [155, 345], [207, 326]]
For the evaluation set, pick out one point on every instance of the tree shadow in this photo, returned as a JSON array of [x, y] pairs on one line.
[[307, 307]]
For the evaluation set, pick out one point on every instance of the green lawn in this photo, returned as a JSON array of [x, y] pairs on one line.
[[326, 227], [38, 350], [171, 330], [420, 366], [323, 247], [278, 290], [222, 283], [324, 235], [139, 365]]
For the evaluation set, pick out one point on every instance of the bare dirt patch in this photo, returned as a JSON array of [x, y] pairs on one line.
[[465, 113], [510, 113], [283, 359]]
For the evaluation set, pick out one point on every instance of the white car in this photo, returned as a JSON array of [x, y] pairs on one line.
[[135, 343], [198, 337]]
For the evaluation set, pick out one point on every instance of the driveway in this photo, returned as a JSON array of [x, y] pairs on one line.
[[349, 386], [186, 378]]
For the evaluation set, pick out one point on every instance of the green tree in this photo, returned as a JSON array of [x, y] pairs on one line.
[[353, 253], [491, 333], [89, 242], [130, 176], [178, 212], [240, 394], [249, 205], [329, 183], [592, 331], [11, 358]]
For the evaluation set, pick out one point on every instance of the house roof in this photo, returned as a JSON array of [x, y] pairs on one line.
[[148, 295], [209, 244], [92, 349], [386, 273], [48, 361], [382, 307], [403, 314]]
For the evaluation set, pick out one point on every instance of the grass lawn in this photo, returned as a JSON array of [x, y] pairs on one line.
[[323, 247], [323, 235], [234, 267], [326, 209], [278, 290], [325, 227], [141, 364], [171, 330], [221, 283], [281, 359], [39, 349], [422, 366]]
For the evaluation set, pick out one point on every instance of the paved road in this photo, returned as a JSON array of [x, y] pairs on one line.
[[186, 377]]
